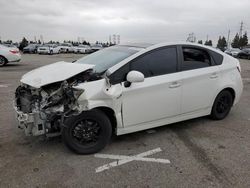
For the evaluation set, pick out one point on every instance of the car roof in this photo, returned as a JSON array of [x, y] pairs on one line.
[[162, 44], [137, 45]]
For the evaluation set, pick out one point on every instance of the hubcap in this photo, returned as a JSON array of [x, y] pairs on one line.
[[86, 131], [223, 105]]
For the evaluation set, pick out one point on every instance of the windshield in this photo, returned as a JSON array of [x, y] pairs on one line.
[[108, 57]]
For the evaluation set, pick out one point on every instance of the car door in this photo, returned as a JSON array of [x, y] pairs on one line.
[[158, 96], [200, 78]]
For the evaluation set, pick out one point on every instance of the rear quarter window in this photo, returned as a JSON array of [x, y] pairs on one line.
[[218, 58]]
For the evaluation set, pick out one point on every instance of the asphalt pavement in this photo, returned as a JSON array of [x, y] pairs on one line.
[[201, 152]]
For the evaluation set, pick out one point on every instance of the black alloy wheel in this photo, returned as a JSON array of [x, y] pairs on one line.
[[87, 133], [222, 105]]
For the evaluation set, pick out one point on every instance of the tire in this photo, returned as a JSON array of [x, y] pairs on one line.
[[80, 138], [222, 105], [3, 61]]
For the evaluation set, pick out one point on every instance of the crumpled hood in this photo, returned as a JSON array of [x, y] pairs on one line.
[[52, 73]]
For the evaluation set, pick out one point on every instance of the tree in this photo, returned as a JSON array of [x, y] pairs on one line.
[[222, 43], [209, 43], [23, 43], [39, 42], [84, 43], [200, 42], [236, 40], [243, 41]]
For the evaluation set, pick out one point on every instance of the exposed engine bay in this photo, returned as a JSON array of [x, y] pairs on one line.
[[43, 110]]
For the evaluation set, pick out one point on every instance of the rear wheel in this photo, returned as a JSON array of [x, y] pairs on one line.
[[222, 105], [87, 133], [3, 61]]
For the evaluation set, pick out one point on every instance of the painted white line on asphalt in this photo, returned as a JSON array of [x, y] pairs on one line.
[[4, 86], [246, 79], [123, 159]]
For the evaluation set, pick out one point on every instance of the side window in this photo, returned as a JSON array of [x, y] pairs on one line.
[[195, 58], [157, 62]]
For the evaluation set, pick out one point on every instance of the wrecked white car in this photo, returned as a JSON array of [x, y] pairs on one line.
[[126, 88]]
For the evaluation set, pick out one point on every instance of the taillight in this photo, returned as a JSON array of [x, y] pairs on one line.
[[14, 51]]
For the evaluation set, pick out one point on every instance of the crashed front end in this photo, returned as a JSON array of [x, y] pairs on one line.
[[41, 111]]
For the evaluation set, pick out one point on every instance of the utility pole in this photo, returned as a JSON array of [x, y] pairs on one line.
[[110, 41], [228, 36], [191, 37], [114, 39], [241, 28], [41, 38], [118, 39]]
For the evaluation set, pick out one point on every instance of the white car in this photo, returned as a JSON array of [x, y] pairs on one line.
[[124, 89], [83, 49], [66, 48], [49, 49], [96, 47], [9, 54], [233, 52]]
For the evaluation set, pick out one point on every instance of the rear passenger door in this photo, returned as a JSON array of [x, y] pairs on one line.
[[200, 78]]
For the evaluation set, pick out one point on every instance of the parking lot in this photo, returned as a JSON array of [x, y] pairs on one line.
[[201, 152]]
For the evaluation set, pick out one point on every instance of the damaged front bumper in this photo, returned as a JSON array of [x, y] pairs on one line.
[[31, 123]]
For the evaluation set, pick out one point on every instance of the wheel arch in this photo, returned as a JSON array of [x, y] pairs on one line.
[[110, 113], [228, 88]]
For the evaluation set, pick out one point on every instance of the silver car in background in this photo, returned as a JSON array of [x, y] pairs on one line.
[[9, 54]]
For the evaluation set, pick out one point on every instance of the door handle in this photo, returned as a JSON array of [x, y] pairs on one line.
[[175, 85], [214, 75]]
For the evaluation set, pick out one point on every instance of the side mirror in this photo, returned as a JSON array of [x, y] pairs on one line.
[[135, 76]]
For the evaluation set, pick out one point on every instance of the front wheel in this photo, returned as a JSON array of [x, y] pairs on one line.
[[87, 133], [2, 61], [222, 105]]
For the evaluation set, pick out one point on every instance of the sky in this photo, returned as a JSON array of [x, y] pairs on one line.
[[135, 20]]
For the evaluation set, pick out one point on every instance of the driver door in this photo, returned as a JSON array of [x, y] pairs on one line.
[[159, 95]]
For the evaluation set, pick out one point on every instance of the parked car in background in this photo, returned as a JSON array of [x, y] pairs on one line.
[[244, 54], [83, 49], [124, 89], [233, 52], [9, 54], [66, 48], [96, 47], [31, 48], [10, 45], [49, 49]]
